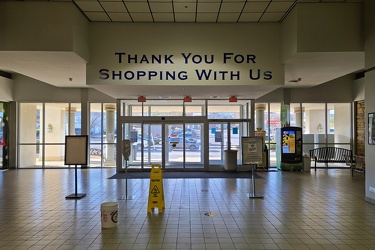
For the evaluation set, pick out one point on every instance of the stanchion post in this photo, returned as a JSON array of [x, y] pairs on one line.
[[126, 150], [252, 154], [253, 195]]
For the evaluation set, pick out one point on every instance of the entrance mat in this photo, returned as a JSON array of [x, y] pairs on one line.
[[266, 170], [187, 175]]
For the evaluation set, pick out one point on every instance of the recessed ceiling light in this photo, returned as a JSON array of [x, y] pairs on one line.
[[165, 97]]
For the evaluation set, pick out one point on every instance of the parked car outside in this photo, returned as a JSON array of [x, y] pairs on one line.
[[180, 132], [176, 143]]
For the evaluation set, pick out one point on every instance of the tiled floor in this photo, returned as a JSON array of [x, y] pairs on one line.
[[300, 210]]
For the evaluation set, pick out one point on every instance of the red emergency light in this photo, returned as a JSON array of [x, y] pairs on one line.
[[232, 99], [141, 99], [187, 99]]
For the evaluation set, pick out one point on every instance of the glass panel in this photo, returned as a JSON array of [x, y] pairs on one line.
[[339, 122], [224, 112], [217, 139], [31, 123], [131, 108], [151, 153], [246, 110], [109, 155], [95, 155], [314, 118], [194, 145], [75, 109], [235, 131], [274, 123], [54, 156], [313, 126], [232, 110], [132, 132], [175, 146], [95, 122], [136, 110], [56, 127], [154, 138], [103, 133], [31, 156], [194, 108], [166, 110], [295, 115]]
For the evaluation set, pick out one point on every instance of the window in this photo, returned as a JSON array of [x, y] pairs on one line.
[[42, 131], [103, 139]]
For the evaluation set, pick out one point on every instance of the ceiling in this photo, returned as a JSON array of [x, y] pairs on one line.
[[302, 71], [197, 11], [215, 11]]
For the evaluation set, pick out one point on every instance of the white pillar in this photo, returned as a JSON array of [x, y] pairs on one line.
[[110, 133], [259, 113]]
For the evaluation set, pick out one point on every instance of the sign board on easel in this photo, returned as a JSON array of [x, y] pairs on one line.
[[76, 153], [252, 150], [252, 154]]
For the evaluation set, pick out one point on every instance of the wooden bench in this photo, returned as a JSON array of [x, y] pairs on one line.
[[331, 155]]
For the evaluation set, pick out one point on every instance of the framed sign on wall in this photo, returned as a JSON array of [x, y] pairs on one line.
[[371, 128]]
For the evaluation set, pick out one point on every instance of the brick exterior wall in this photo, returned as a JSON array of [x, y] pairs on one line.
[[360, 128]]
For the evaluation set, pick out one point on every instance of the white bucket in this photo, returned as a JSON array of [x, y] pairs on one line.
[[109, 214]]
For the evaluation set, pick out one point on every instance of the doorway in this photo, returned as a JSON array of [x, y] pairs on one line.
[[224, 135], [184, 149], [174, 145]]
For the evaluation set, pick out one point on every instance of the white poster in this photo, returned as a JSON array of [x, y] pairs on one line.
[[252, 150]]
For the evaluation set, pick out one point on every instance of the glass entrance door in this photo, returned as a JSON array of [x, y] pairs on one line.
[[224, 136], [218, 141], [174, 149], [146, 144], [184, 149], [173, 145], [152, 141]]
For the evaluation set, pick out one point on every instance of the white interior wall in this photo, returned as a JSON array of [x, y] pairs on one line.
[[369, 98], [6, 89]]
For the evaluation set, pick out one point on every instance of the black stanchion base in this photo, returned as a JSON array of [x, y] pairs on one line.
[[254, 196], [75, 196]]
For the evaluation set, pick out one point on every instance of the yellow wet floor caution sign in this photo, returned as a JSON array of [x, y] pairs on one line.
[[156, 194]]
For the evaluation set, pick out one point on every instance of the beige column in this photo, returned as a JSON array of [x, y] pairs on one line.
[[259, 113]]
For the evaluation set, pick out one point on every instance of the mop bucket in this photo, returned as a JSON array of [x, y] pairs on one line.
[[109, 214]]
